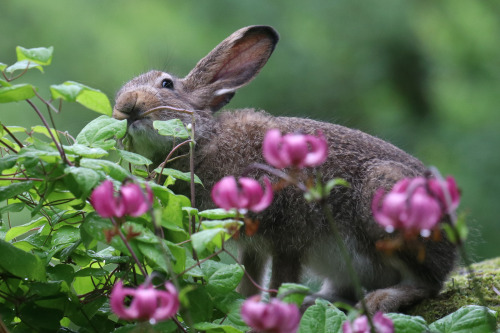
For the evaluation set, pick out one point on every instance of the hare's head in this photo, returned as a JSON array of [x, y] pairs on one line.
[[208, 87]]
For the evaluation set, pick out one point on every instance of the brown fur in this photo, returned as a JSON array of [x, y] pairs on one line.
[[292, 232]]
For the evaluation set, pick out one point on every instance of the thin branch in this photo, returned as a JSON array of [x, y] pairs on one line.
[[248, 275], [165, 107], [23, 178], [124, 239], [18, 76], [179, 325], [8, 146], [168, 158], [200, 262], [58, 146], [48, 103], [19, 143]]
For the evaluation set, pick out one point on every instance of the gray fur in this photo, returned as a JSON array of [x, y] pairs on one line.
[[292, 232]]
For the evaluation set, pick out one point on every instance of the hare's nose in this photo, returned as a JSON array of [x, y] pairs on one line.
[[126, 106]]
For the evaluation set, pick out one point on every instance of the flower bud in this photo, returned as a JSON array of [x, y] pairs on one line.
[[415, 203], [105, 202], [247, 194], [136, 202], [275, 316], [148, 303], [382, 324], [131, 200], [295, 150]]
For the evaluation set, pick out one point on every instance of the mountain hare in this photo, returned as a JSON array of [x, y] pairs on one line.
[[293, 232]]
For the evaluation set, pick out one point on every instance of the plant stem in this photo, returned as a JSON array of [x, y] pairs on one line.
[[168, 158], [132, 253], [42, 118], [8, 146], [19, 143], [248, 275], [347, 258]]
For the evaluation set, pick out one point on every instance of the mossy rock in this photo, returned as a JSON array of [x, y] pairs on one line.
[[458, 292]]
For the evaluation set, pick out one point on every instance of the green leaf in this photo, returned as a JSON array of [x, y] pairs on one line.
[[2, 67], [19, 263], [133, 158], [100, 131], [65, 235], [217, 214], [407, 324], [43, 130], [91, 98], [172, 127], [66, 92], [216, 328], [81, 181], [155, 256], [39, 55], [17, 92], [293, 293], [85, 151], [322, 318], [22, 229], [226, 224], [185, 176], [7, 162], [112, 169], [208, 239], [7, 192], [23, 65], [12, 208], [45, 319], [61, 272], [468, 319], [222, 278], [90, 271], [199, 303], [106, 256], [92, 228]]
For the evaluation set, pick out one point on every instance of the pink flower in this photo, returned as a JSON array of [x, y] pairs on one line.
[[382, 324], [134, 199], [275, 316], [416, 203], [105, 202], [131, 200], [246, 194], [407, 206], [147, 302], [296, 150], [451, 199]]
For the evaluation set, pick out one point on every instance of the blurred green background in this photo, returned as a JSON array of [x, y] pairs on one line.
[[422, 74]]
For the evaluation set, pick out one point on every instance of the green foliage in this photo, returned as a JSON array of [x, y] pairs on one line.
[[59, 266], [473, 319], [173, 128], [322, 317]]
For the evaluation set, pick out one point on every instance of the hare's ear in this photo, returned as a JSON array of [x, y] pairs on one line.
[[230, 65]]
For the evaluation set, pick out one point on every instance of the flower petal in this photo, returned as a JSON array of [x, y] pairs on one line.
[[272, 148], [266, 199], [116, 301], [294, 150], [136, 202], [168, 303], [319, 150], [225, 194], [104, 201]]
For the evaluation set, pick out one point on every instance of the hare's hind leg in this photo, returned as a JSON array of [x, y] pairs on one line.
[[286, 267], [396, 298], [254, 262]]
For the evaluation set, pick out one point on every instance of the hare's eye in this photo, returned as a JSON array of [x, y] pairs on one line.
[[167, 83]]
